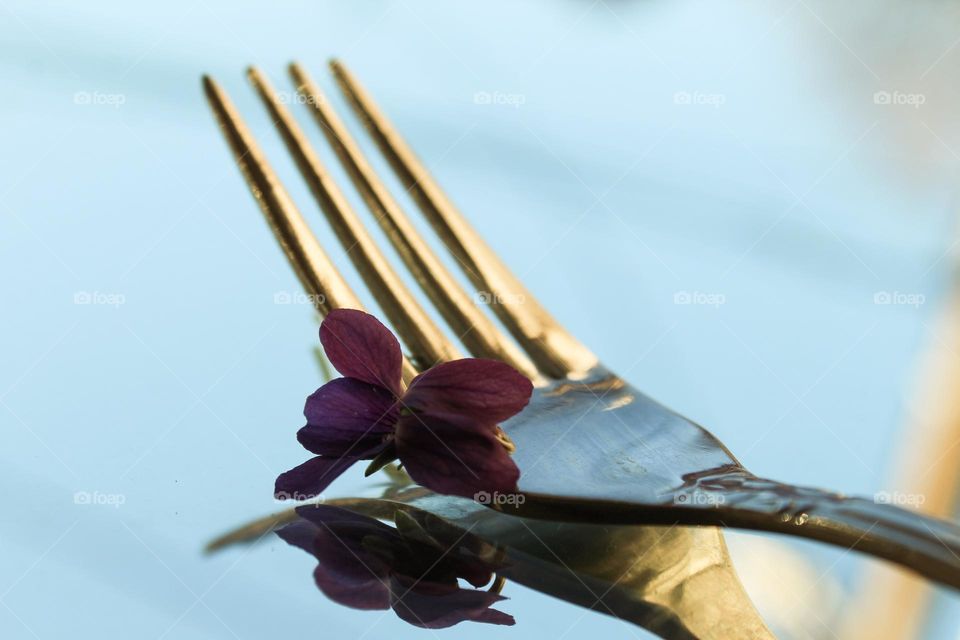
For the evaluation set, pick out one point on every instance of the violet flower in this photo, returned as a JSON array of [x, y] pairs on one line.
[[443, 427], [365, 564]]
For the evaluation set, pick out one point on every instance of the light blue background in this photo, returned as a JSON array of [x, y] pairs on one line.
[[796, 199]]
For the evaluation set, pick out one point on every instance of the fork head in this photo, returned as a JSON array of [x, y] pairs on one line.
[[574, 392], [595, 426]]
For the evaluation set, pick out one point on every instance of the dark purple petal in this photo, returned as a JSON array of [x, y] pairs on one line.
[[472, 569], [493, 616], [300, 534], [347, 571], [437, 606], [310, 478], [360, 590], [360, 347], [347, 417], [488, 391], [344, 522], [455, 457]]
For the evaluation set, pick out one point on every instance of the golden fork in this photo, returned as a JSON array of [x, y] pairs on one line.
[[675, 581], [629, 459]]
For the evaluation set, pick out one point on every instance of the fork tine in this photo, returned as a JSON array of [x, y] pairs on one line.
[[317, 274], [426, 342], [467, 320], [554, 350]]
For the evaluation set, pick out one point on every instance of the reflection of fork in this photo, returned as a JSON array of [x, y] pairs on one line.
[[589, 446]]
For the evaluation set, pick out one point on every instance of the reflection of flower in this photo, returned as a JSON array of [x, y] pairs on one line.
[[443, 428], [365, 564]]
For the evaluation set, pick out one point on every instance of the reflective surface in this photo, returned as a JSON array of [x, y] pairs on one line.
[[365, 564], [674, 581]]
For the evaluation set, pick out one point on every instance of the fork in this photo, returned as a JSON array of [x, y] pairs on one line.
[[590, 447]]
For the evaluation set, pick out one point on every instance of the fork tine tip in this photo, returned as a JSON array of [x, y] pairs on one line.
[[211, 89], [297, 72]]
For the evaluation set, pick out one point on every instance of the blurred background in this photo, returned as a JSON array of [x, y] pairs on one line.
[[746, 208]]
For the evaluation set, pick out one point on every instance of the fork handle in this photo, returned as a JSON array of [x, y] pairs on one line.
[[925, 544], [736, 498], [732, 497]]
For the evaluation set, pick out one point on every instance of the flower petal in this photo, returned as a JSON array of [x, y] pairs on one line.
[[456, 457], [357, 586], [343, 521], [474, 570], [300, 534], [485, 390], [309, 479], [437, 606], [359, 346], [347, 572], [347, 417]]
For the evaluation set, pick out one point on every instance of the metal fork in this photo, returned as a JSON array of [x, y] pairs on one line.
[[589, 446]]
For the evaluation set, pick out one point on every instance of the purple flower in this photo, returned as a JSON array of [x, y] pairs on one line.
[[365, 564], [443, 427]]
